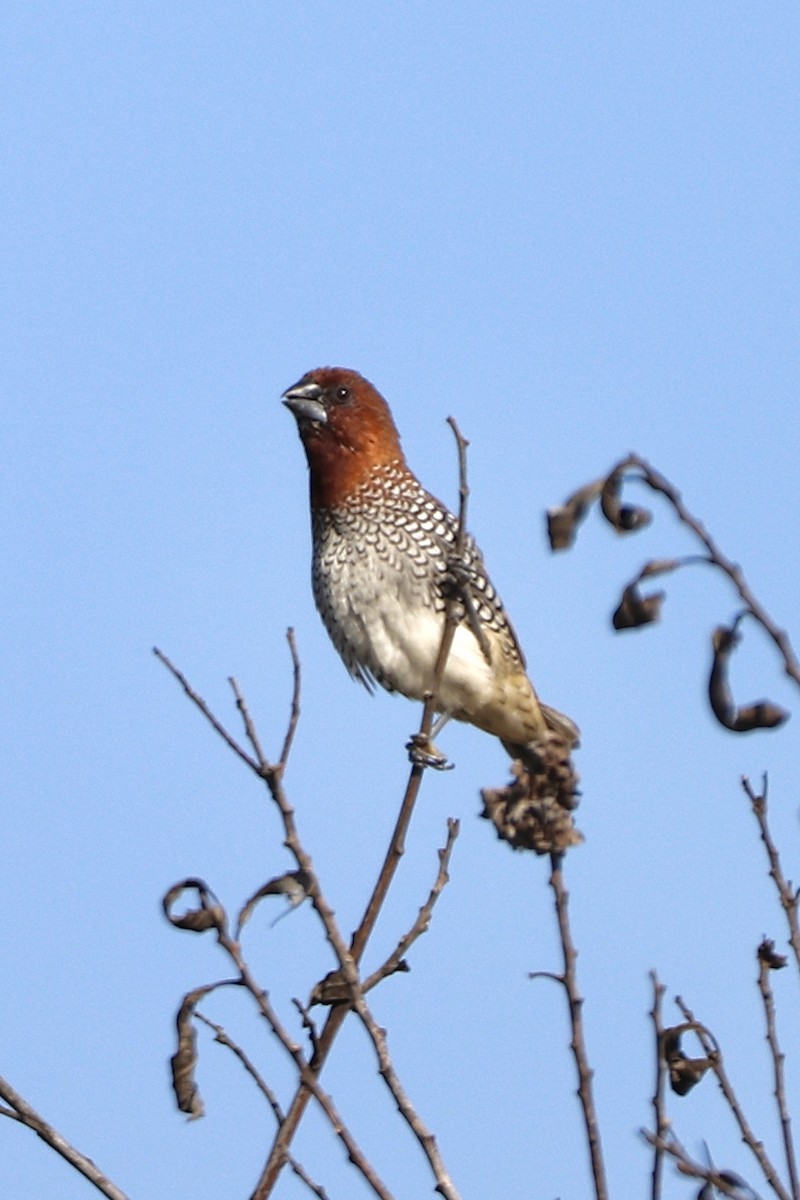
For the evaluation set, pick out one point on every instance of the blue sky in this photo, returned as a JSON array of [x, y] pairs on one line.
[[573, 227]]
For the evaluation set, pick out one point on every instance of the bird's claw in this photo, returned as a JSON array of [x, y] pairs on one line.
[[423, 753], [458, 575]]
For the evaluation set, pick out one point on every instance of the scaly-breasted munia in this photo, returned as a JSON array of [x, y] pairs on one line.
[[383, 549]]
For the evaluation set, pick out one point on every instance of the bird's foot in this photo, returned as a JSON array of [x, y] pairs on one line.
[[423, 753], [459, 575]]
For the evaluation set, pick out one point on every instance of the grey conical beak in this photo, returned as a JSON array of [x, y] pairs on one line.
[[304, 400]]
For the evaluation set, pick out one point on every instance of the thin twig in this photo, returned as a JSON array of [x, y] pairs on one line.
[[778, 1058], [422, 923], [756, 1147], [206, 711], [223, 1037], [569, 979], [444, 1184], [786, 893], [264, 765], [659, 1112], [21, 1111], [294, 715]]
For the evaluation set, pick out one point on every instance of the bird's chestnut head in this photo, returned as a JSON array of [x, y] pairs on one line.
[[346, 428]]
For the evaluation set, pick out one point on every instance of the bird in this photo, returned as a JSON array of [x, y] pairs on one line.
[[384, 559]]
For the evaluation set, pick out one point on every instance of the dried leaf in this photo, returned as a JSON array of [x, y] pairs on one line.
[[762, 714], [561, 526], [563, 521], [769, 956], [293, 884], [635, 610], [210, 914], [684, 1073], [184, 1060], [333, 989], [625, 518]]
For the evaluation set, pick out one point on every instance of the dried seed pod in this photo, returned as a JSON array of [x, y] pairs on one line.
[[534, 812]]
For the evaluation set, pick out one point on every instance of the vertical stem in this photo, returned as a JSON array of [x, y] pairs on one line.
[[577, 1043]]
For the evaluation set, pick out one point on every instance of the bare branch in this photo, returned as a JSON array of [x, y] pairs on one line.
[[444, 1184], [294, 715], [337, 1015], [249, 728], [768, 961], [21, 1111], [224, 1039], [569, 980], [307, 1075], [786, 893], [422, 923], [661, 1120]]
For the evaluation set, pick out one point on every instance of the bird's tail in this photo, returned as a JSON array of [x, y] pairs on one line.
[[562, 725], [565, 730]]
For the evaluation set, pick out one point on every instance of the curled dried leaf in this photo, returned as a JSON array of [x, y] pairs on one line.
[[563, 521], [184, 1060], [561, 525], [635, 610], [763, 714], [625, 518], [684, 1073], [293, 884], [768, 955], [209, 915]]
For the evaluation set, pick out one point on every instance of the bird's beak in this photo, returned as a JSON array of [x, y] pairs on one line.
[[304, 400]]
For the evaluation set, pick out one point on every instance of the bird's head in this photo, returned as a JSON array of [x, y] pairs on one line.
[[346, 428]]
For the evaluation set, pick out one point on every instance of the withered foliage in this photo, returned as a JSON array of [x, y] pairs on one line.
[[635, 609], [684, 1072], [762, 714]]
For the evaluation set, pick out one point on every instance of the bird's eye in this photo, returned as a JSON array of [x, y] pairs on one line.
[[342, 395]]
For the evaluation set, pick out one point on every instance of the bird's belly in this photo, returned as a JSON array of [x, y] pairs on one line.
[[384, 621], [385, 626]]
